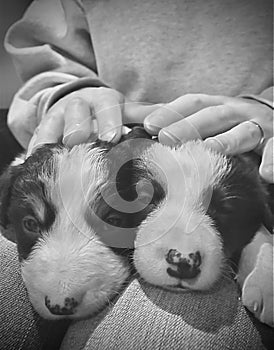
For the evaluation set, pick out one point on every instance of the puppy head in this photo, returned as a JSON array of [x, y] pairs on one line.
[[49, 204], [209, 209]]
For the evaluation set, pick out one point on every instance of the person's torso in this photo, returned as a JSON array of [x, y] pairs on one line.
[[157, 50]]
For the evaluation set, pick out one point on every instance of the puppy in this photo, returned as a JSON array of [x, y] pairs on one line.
[[71, 210], [203, 219], [48, 207]]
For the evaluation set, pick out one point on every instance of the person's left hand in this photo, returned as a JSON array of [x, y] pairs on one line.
[[230, 125]]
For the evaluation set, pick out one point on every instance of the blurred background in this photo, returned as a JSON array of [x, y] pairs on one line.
[[10, 12]]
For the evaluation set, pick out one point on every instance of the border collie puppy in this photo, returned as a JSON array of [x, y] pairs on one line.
[[48, 207], [206, 213], [194, 210]]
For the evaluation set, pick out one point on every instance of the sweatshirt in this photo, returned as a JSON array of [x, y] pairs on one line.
[[151, 51]]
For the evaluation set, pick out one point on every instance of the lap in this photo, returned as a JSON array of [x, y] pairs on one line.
[[142, 317], [145, 317], [20, 326]]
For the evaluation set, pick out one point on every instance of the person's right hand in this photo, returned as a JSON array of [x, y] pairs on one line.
[[70, 119]]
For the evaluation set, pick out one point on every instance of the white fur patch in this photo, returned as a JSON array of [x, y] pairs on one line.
[[79, 266], [181, 223], [70, 261]]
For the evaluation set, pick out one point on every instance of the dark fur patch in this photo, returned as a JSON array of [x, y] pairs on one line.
[[239, 204], [6, 184], [127, 176], [21, 182], [19, 208]]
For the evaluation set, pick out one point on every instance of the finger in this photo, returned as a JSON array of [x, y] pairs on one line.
[[108, 105], [32, 143], [50, 129], [242, 138], [267, 164], [78, 122], [136, 112], [207, 122], [179, 109]]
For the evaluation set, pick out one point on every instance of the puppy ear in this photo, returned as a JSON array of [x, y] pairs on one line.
[[6, 183]]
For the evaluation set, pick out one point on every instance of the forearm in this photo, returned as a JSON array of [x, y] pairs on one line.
[[52, 52]]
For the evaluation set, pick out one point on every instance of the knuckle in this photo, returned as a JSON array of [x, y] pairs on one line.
[[196, 99], [105, 93], [15, 124], [108, 97], [51, 114], [19, 126], [224, 111], [76, 100], [224, 141]]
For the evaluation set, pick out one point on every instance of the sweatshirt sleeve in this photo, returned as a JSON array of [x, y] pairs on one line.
[[52, 52]]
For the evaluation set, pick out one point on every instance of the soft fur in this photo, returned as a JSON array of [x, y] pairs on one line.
[[67, 270], [195, 213], [206, 220]]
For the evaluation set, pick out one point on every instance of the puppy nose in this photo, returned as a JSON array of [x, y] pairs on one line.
[[68, 307], [187, 265]]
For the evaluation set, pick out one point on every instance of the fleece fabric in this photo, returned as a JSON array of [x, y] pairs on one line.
[[151, 51]]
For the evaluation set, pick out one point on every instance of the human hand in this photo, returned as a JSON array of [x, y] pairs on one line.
[[255, 276], [230, 125], [71, 119]]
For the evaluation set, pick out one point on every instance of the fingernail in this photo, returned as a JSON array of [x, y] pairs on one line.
[[214, 144], [108, 136], [267, 172], [125, 130], [268, 169], [151, 127], [168, 138], [153, 122], [74, 137], [255, 307]]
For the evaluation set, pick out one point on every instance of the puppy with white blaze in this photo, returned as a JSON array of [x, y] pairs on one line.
[[189, 212], [48, 207], [208, 210]]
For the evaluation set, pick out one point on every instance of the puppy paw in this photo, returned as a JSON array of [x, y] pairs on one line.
[[257, 290]]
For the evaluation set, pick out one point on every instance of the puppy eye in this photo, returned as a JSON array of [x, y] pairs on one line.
[[30, 224], [114, 220]]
